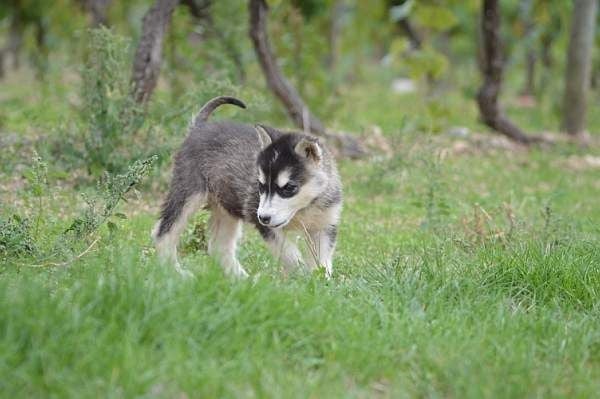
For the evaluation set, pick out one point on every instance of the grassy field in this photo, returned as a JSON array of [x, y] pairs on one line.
[[464, 268]]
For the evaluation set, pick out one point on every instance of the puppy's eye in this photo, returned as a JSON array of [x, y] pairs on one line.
[[262, 187], [288, 190]]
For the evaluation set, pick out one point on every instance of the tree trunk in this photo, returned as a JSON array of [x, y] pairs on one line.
[[148, 56], [547, 40], [98, 10], [41, 55], [550, 32], [579, 64], [492, 66], [287, 94], [200, 9]]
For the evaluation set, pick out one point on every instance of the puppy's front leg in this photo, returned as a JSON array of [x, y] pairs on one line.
[[283, 249], [322, 246]]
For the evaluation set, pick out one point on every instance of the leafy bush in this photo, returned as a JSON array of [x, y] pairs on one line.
[[15, 237], [109, 113], [46, 241], [111, 191]]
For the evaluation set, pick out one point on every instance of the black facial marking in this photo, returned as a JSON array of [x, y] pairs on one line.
[[277, 157], [262, 188], [287, 191]]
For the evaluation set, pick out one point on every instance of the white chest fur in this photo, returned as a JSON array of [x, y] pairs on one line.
[[314, 218]]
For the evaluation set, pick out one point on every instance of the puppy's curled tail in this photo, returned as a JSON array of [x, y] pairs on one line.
[[211, 105]]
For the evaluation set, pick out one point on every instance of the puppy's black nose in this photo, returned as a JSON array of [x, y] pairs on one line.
[[264, 219]]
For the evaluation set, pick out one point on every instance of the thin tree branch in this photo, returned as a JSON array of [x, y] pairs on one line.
[[492, 65]]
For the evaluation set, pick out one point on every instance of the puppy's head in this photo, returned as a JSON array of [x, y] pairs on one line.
[[290, 175]]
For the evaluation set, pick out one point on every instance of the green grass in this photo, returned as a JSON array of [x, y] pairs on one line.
[[504, 323], [436, 293], [412, 311]]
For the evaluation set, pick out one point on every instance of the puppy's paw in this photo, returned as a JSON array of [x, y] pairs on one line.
[[239, 273], [185, 273]]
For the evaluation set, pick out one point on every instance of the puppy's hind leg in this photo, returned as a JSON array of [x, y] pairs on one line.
[[176, 211]]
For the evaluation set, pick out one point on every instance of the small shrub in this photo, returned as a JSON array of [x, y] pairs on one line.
[[49, 242], [37, 179], [110, 115], [15, 237], [111, 191]]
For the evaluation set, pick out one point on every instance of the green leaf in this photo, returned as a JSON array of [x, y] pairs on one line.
[[399, 46], [120, 215], [426, 62], [435, 17]]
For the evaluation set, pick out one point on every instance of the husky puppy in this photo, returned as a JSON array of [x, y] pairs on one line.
[[280, 182]]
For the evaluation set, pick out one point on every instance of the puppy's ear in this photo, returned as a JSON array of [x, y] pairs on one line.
[[263, 136], [310, 149]]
